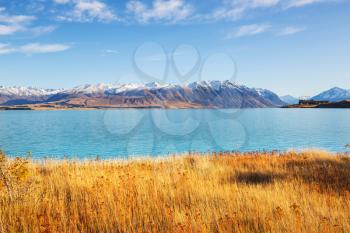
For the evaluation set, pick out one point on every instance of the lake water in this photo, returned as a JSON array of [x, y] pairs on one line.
[[134, 132]]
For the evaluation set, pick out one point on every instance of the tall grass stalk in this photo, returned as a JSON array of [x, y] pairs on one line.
[[224, 192]]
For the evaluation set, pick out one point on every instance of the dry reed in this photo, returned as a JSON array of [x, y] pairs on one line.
[[224, 192]]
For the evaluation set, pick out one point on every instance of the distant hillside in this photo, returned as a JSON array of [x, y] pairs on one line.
[[289, 99], [340, 104], [209, 94], [335, 94]]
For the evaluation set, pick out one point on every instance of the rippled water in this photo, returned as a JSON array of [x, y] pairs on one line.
[[134, 132]]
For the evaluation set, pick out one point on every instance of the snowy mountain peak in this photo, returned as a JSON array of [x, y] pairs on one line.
[[27, 91], [156, 85], [333, 95], [215, 84], [90, 88], [103, 88]]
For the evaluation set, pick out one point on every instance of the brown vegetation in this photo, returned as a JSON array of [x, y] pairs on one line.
[[226, 192]]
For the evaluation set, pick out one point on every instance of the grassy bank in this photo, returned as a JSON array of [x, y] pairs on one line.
[[290, 192]]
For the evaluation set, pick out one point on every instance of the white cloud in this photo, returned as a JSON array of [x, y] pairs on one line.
[[11, 24], [161, 10], [300, 3], [259, 3], [36, 31], [227, 13], [62, 1], [250, 30], [111, 51], [43, 48], [235, 9], [290, 30], [6, 30], [33, 48], [5, 48], [9, 29], [167, 11], [15, 19], [87, 11]]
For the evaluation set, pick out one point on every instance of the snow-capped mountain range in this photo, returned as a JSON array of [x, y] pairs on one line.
[[215, 94], [212, 94], [334, 94], [27, 91]]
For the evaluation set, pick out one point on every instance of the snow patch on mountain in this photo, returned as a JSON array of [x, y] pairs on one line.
[[214, 84], [333, 95], [27, 91]]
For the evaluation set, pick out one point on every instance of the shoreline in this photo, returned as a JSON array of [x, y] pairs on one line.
[[154, 158], [153, 108], [341, 105]]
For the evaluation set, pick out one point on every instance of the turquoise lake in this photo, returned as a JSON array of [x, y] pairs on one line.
[[156, 132]]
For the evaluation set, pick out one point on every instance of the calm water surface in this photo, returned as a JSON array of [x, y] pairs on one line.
[[132, 132]]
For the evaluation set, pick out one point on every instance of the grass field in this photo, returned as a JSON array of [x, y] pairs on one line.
[[254, 192]]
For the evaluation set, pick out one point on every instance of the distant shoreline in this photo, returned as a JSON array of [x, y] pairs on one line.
[[55, 106], [340, 104], [19, 108], [15, 108]]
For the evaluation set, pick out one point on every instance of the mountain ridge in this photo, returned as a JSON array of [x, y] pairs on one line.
[[199, 94], [334, 94]]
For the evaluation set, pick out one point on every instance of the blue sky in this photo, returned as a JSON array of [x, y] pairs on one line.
[[298, 47]]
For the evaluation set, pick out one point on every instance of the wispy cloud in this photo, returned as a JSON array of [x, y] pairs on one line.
[[152, 11], [43, 48], [11, 24], [160, 10], [235, 9], [62, 1], [290, 30], [87, 11], [9, 29], [33, 48], [15, 19], [40, 30], [109, 52], [5, 48], [249, 30], [300, 3], [112, 51]]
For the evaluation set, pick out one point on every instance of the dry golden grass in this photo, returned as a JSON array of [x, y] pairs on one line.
[[254, 192]]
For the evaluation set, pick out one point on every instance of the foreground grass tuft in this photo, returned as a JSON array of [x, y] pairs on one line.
[[227, 192]]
